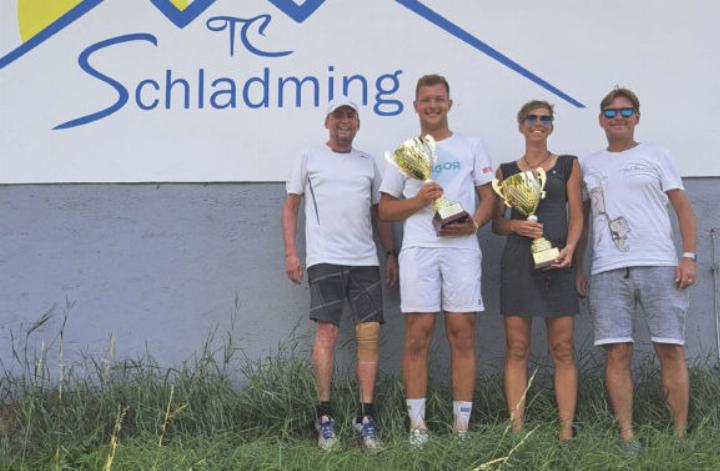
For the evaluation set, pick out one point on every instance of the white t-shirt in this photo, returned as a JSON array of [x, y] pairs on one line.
[[339, 189], [462, 164], [627, 193]]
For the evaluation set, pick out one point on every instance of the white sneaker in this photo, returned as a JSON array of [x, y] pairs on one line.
[[327, 440], [367, 430], [418, 437]]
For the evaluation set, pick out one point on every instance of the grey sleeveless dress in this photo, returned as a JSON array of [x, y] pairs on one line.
[[525, 291]]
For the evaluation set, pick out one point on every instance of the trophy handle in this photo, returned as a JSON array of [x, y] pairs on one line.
[[390, 160], [429, 141], [541, 177], [497, 186]]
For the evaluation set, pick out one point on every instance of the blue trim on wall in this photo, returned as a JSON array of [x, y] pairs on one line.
[[182, 18], [297, 12], [455, 30]]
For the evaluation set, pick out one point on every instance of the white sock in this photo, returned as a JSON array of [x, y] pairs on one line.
[[461, 413], [416, 412]]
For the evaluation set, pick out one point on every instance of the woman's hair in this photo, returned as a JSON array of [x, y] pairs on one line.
[[531, 105]]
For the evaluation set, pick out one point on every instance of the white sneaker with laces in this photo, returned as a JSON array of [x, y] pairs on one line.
[[327, 440], [418, 437], [366, 428]]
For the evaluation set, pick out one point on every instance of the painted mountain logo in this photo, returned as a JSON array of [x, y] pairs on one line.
[[40, 20]]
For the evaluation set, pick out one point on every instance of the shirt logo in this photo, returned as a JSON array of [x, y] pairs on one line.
[[446, 166]]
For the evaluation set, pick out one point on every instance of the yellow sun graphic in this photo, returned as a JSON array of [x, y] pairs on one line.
[[36, 15]]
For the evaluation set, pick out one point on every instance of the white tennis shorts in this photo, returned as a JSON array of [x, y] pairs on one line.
[[434, 279]]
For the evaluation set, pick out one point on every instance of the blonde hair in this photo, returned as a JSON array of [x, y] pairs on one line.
[[430, 80], [531, 105], [620, 92]]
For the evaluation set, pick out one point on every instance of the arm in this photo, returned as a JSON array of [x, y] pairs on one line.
[[686, 272], [575, 224], [484, 212], [394, 209], [293, 267], [580, 276], [385, 232]]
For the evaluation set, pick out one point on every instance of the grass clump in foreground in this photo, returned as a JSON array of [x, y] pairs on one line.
[[135, 415]]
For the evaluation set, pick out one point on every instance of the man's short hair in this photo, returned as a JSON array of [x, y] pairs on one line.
[[531, 105], [620, 92], [430, 80]]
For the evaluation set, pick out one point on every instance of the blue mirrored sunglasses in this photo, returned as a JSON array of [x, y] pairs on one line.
[[624, 112], [544, 119]]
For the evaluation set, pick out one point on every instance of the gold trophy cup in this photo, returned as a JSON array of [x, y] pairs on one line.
[[415, 158], [523, 191]]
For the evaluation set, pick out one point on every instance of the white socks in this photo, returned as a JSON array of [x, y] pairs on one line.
[[416, 412], [461, 414]]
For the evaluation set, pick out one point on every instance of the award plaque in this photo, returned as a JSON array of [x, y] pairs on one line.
[[523, 191], [415, 158]]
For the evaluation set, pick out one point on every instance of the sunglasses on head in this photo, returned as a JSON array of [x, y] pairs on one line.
[[624, 112], [544, 119]]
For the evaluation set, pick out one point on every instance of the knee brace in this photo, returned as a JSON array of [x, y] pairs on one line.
[[368, 336]]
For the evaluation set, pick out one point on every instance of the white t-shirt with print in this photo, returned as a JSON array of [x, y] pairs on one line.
[[462, 164], [630, 207], [339, 190]]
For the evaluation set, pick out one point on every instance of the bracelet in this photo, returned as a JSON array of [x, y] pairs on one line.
[[391, 252], [691, 255]]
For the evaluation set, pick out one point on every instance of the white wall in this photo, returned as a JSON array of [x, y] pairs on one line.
[[666, 52]]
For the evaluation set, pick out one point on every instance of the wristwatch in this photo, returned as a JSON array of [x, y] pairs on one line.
[[691, 255], [391, 252]]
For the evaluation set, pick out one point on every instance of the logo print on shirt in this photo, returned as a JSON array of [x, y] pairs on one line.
[[446, 166]]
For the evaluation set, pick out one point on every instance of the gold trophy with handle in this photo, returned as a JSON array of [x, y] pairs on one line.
[[523, 191], [415, 158]]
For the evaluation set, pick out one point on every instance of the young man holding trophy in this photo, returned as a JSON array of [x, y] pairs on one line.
[[629, 187], [341, 186], [440, 261]]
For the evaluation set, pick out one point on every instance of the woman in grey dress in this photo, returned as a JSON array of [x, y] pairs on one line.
[[548, 293]]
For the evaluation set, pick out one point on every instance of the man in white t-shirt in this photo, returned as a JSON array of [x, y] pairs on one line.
[[341, 189], [629, 187], [440, 271]]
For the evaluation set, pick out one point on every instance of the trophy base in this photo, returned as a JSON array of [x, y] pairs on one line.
[[450, 214], [544, 254], [545, 258]]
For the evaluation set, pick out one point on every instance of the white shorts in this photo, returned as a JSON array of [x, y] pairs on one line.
[[434, 279]]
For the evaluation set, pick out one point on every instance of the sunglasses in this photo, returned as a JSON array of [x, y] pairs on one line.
[[545, 120], [624, 112]]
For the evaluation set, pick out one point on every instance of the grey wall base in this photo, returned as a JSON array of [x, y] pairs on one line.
[[160, 266]]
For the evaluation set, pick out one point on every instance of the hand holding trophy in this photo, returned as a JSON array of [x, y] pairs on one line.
[[415, 158], [523, 191]]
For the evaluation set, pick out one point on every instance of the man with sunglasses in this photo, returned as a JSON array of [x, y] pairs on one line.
[[628, 187]]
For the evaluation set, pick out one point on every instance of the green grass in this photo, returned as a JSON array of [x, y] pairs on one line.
[[135, 415]]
